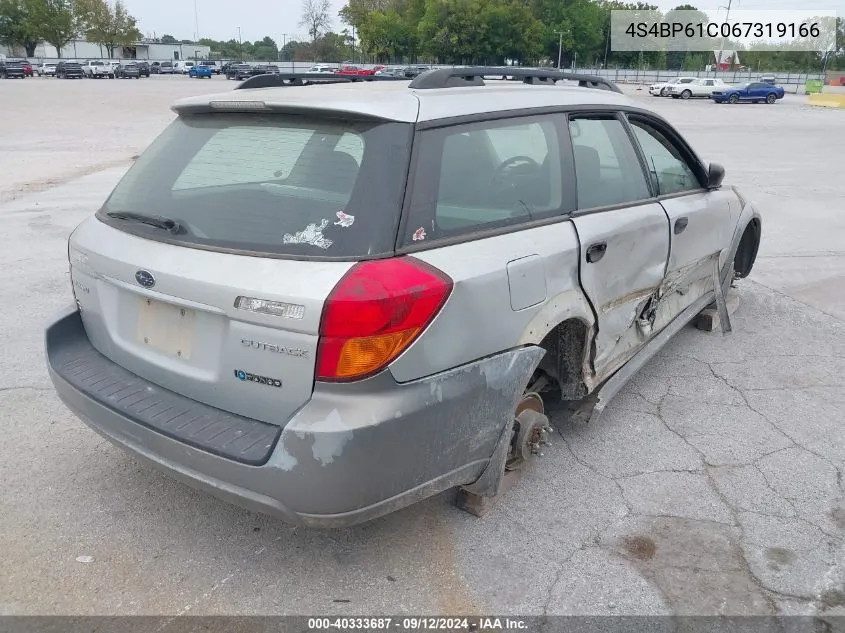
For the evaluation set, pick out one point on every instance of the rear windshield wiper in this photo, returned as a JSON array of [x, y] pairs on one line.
[[157, 221]]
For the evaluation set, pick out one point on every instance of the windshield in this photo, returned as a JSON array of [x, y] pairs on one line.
[[272, 184]]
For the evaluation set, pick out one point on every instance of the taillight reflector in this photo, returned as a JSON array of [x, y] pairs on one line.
[[374, 313]]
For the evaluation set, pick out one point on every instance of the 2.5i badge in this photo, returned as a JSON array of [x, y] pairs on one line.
[[261, 380]]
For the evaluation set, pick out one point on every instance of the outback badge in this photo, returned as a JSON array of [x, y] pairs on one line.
[[240, 374]]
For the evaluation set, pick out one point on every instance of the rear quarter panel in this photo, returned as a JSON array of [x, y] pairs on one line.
[[509, 290]]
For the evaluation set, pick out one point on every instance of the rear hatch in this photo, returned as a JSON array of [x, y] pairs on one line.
[[207, 268]]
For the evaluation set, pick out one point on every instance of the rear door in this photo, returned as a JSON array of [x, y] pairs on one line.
[[701, 221], [624, 236]]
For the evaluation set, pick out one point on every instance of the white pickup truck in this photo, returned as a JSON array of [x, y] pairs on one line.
[[97, 69], [697, 88]]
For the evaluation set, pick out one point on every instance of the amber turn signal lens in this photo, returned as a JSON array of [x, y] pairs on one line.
[[362, 356]]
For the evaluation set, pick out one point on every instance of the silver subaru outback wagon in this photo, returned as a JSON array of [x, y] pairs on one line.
[[327, 302]]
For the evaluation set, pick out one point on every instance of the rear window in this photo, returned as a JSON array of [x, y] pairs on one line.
[[274, 184]]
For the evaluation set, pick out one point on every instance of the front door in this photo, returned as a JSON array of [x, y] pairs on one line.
[[700, 220], [624, 237]]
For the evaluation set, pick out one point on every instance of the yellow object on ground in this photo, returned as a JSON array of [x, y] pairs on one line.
[[827, 100]]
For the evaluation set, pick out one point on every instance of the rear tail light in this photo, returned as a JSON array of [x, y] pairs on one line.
[[374, 313]]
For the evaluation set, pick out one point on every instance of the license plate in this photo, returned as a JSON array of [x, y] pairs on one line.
[[166, 328]]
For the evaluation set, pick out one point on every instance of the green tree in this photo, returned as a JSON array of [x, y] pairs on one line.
[[316, 18], [19, 25], [58, 22], [108, 25], [168, 39], [679, 59], [385, 35]]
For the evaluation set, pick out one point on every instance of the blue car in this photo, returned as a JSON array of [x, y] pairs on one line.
[[754, 92], [200, 71]]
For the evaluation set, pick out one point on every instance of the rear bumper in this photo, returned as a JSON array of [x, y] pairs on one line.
[[352, 453]]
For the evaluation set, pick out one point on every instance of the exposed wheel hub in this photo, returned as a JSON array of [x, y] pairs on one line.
[[530, 433]]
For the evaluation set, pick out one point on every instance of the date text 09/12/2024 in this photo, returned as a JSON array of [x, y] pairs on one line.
[[416, 623]]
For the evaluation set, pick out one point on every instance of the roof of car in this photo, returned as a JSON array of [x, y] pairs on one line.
[[394, 100]]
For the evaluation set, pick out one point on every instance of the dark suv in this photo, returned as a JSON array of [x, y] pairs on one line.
[[127, 71], [143, 69], [69, 70], [240, 72], [11, 68]]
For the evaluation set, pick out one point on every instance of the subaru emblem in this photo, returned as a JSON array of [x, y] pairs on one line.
[[145, 278]]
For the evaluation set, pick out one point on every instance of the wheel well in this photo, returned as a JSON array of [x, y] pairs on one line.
[[746, 252], [565, 347]]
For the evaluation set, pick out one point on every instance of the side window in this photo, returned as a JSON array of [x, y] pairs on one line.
[[484, 175], [607, 170], [666, 164]]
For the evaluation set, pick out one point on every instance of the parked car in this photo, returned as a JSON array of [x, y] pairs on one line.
[[27, 68], [413, 71], [391, 71], [214, 66], [661, 89], [69, 70], [200, 71], [697, 88], [46, 70], [155, 68], [182, 67], [143, 68], [239, 72], [97, 69], [415, 359], [357, 71], [127, 70], [12, 69], [755, 92], [323, 69], [166, 68]]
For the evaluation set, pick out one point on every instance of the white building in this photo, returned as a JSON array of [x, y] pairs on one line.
[[144, 49]]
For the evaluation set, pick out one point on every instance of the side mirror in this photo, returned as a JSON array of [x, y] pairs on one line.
[[715, 175]]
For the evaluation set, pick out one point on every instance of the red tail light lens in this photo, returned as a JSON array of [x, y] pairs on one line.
[[374, 313]]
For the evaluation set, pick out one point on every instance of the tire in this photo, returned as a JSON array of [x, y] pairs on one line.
[[733, 99], [663, 92], [686, 94], [771, 99], [746, 252]]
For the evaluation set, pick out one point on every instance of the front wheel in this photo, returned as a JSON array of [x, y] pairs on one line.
[[733, 99], [771, 99], [686, 94], [663, 92]]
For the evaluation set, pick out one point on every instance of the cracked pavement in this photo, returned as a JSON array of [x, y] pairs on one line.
[[712, 484]]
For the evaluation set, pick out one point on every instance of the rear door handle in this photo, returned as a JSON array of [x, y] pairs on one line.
[[681, 225], [596, 252]]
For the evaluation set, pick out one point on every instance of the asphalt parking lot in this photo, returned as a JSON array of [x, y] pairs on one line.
[[712, 485]]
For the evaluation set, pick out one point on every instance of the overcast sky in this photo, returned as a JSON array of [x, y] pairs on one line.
[[219, 20]]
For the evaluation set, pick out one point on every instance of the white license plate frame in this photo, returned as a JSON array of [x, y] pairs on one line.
[[166, 327]]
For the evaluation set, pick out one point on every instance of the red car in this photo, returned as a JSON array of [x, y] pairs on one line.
[[27, 69], [355, 70]]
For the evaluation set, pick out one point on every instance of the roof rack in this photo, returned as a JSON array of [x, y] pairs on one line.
[[274, 80], [474, 76]]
